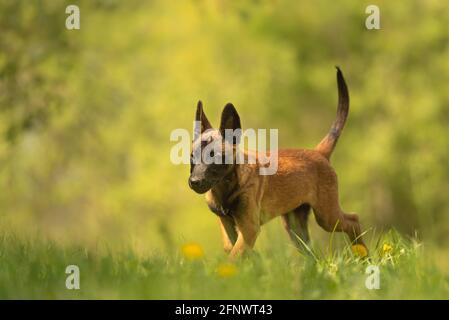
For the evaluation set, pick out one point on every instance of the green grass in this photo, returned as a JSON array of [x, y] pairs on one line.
[[36, 269]]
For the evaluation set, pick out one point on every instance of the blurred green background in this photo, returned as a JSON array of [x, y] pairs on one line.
[[86, 115]]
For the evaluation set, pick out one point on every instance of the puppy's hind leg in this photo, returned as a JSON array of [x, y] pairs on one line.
[[329, 215], [302, 216], [295, 223], [351, 227], [332, 218]]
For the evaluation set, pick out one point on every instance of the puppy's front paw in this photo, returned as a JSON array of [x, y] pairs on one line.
[[227, 248]]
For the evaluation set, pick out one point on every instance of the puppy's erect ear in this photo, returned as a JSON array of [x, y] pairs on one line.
[[230, 120], [201, 118]]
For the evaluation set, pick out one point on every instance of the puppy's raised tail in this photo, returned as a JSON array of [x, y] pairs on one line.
[[327, 145]]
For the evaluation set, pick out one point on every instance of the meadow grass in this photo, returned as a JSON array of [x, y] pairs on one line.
[[36, 270]]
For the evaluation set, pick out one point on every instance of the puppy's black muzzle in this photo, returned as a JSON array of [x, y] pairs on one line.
[[198, 185]]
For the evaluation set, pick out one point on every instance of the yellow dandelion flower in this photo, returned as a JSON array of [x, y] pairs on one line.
[[226, 270], [386, 248], [192, 251], [359, 250]]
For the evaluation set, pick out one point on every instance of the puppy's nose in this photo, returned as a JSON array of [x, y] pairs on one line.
[[194, 182]]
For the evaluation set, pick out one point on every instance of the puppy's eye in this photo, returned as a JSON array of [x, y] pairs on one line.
[[212, 154], [214, 168]]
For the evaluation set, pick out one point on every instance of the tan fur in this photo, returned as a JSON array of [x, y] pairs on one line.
[[244, 200], [303, 177]]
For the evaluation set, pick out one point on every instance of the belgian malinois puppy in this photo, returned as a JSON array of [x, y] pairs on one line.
[[244, 200]]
